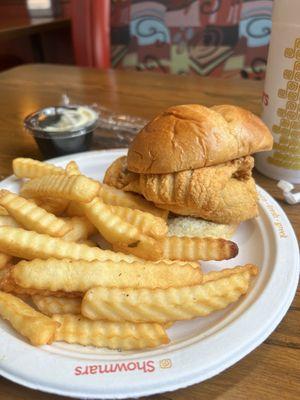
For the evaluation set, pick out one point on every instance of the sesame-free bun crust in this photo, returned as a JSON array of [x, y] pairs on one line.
[[193, 136]]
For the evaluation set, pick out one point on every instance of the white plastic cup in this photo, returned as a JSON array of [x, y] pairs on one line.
[[281, 97]]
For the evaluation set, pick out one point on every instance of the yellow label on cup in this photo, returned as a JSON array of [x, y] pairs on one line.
[[281, 96], [286, 148]]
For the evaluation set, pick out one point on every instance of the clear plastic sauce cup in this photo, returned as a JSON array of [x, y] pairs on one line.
[[63, 129]]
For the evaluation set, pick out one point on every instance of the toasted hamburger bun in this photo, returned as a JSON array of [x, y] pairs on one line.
[[193, 136]]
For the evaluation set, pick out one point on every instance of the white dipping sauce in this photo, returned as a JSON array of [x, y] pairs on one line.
[[72, 119]]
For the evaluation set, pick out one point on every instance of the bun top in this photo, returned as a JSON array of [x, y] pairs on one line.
[[193, 136]]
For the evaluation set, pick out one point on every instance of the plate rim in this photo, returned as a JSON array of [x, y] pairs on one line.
[[239, 354]]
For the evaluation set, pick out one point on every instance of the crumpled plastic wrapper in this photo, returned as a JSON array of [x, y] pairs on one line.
[[114, 130], [117, 130]]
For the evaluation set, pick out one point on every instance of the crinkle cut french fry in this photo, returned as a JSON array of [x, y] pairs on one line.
[[29, 245], [8, 285], [172, 304], [108, 224], [31, 216], [50, 305], [4, 272], [52, 205], [115, 197], [82, 228], [7, 220], [38, 328], [29, 168], [75, 187], [3, 211], [145, 222], [72, 168], [182, 263], [4, 260], [114, 335], [75, 209], [79, 276], [115, 230], [225, 273], [196, 248], [139, 252]]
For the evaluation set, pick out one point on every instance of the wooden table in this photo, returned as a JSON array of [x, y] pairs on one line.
[[11, 28], [272, 371]]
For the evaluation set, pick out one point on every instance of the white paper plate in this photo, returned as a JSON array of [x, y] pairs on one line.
[[198, 350]]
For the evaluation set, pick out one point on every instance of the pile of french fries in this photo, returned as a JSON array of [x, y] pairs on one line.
[[57, 284]]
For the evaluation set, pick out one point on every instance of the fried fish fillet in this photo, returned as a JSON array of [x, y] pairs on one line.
[[225, 193]]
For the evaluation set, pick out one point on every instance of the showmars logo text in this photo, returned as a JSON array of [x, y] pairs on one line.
[[145, 366]]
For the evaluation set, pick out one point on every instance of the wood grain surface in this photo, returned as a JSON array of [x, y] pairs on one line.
[[270, 372]]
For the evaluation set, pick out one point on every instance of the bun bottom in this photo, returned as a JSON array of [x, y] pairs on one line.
[[189, 226]]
